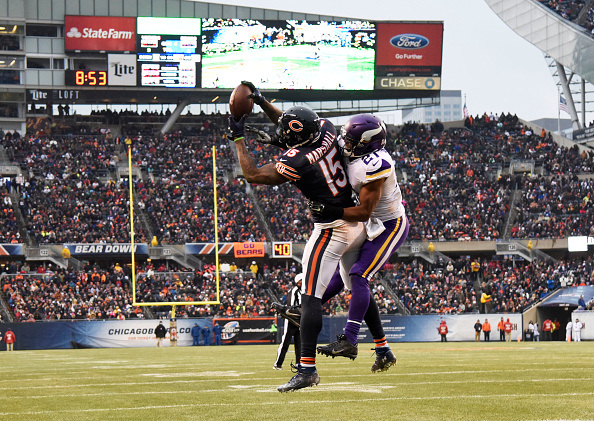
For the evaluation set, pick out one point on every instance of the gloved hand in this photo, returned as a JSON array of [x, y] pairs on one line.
[[256, 95], [237, 127], [263, 137], [322, 210]]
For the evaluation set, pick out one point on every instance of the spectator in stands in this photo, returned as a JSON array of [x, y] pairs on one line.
[[487, 330], [443, 331], [535, 332], [160, 333], [9, 339], [477, 331], [195, 335], [501, 329]]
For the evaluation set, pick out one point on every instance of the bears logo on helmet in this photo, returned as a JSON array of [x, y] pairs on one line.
[[295, 125]]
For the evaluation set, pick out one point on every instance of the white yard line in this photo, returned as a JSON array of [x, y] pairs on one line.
[[297, 402]]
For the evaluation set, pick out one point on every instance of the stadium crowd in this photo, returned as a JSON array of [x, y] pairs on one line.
[[447, 287], [511, 286], [467, 169], [570, 10]]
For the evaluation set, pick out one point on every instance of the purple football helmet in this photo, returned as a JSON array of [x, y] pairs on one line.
[[362, 135]]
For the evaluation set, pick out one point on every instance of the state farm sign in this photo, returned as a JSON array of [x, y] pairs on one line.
[[99, 33]]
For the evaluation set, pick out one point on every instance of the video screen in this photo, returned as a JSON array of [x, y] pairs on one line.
[[288, 54], [169, 60]]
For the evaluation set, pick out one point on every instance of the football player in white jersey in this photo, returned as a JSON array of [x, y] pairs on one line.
[[372, 175]]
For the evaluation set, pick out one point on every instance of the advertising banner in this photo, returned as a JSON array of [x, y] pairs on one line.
[[141, 333], [11, 250], [248, 249], [247, 331], [99, 33], [208, 248], [54, 95], [584, 135], [111, 248], [409, 49], [121, 69], [570, 296]]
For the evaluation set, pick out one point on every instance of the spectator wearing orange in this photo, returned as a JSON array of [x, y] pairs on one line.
[[487, 330], [501, 329]]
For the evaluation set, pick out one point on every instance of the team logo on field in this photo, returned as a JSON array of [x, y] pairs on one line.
[[295, 125]]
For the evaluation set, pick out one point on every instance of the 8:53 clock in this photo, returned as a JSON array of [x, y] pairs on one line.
[[86, 78]]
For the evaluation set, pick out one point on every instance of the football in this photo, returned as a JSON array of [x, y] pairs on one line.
[[239, 103]]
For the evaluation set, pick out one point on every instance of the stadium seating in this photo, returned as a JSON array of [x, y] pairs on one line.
[[570, 10], [456, 184]]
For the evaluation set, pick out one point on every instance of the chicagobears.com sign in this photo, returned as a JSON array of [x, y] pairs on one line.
[[99, 33]]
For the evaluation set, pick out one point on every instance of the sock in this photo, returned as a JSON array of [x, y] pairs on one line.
[[360, 297], [311, 325], [374, 323]]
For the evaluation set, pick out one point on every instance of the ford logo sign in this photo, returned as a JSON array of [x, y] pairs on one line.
[[409, 41]]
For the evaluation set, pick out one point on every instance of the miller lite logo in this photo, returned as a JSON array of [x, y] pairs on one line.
[[295, 125]]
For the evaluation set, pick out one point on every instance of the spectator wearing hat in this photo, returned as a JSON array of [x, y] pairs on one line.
[[254, 267]]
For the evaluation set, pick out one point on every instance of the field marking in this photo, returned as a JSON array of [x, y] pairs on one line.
[[299, 402], [173, 375], [368, 388]]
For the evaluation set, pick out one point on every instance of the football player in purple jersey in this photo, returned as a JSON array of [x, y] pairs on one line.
[[313, 162], [371, 172]]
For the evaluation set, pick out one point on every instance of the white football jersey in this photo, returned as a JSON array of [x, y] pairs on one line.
[[374, 166]]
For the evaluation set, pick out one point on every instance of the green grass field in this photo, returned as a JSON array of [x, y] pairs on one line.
[[432, 381]]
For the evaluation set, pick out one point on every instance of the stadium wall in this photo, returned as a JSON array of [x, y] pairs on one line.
[[587, 318], [140, 333]]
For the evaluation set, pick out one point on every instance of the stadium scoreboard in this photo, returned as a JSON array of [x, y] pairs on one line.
[[282, 249], [347, 55]]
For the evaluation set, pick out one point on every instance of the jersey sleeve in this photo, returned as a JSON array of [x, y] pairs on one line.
[[376, 169], [289, 164]]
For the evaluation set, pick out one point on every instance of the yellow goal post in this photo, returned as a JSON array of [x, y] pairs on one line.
[[132, 251]]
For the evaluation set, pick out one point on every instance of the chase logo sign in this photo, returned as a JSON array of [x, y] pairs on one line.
[[409, 41]]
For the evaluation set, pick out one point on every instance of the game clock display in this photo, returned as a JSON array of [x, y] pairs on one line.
[[86, 78], [282, 249]]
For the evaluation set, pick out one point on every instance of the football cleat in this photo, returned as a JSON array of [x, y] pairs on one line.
[[292, 314], [340, 348], [299, 381], [383, 361], [277, 367]]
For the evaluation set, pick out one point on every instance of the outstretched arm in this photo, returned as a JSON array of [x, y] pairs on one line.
[[263, 175]]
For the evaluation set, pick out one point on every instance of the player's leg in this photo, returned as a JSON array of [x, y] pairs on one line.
[[374, 254], [320, 259], [283, 348]]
